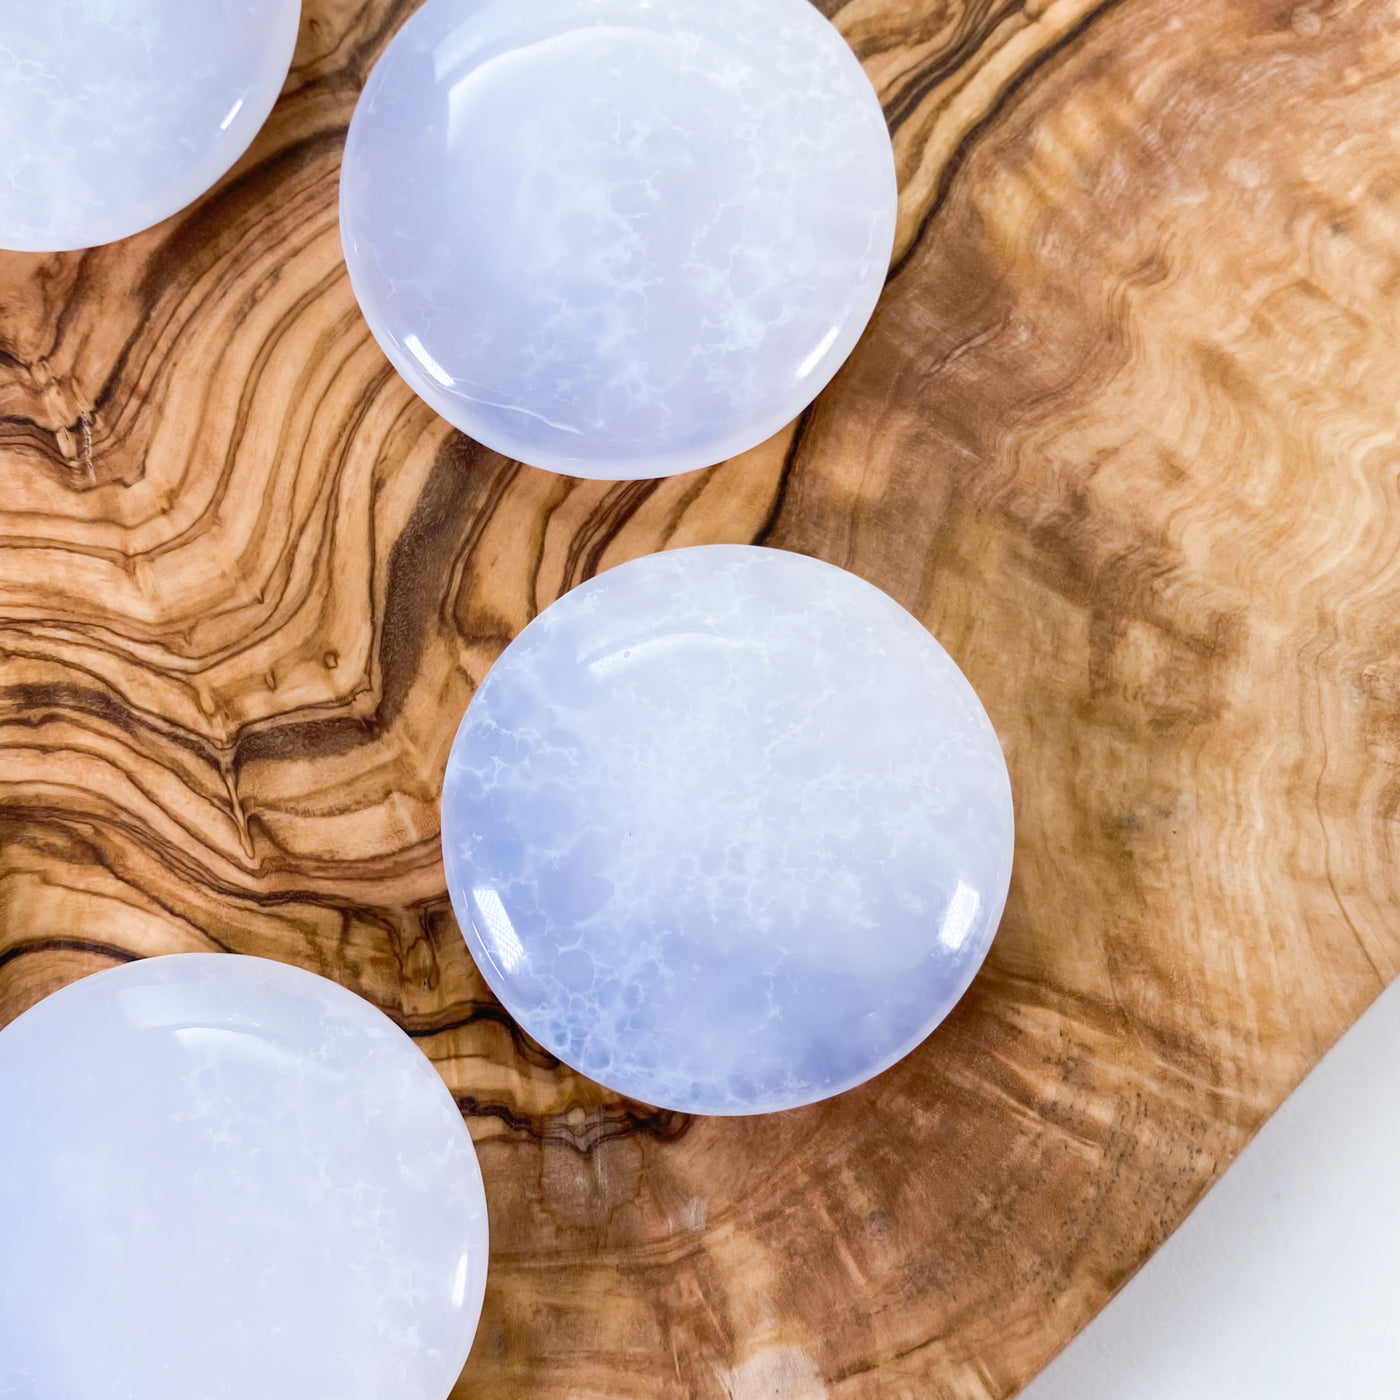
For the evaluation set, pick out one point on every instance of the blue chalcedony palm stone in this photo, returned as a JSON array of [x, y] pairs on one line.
[[727, 829], [618, 238], [115, 114], [225, 1176]]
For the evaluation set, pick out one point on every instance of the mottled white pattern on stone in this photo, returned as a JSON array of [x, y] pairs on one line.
[[727, 829], [226, 1179], [115, 114], [618, 238]]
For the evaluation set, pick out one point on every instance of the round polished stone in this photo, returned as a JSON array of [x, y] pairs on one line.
[[618, 238], [727, 830], [221, 1176], [115, 114]]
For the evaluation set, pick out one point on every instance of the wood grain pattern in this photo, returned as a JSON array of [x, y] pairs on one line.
[[1123, 433]]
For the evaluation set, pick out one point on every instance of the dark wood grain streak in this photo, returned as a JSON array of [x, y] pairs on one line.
[[968, 140], [975, 26], [66, 945]]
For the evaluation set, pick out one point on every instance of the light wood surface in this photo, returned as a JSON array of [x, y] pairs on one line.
[[1123, 433]]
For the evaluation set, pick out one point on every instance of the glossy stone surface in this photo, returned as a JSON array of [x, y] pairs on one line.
[[224, 1177], [618, 238], [115, 114], [727, 830]]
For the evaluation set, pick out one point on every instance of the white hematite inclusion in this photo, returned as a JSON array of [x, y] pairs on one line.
[[225, 1177], [618, 238], [727, 830], [115, 114]]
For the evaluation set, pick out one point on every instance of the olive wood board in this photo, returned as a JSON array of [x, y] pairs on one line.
[[1122, 433]]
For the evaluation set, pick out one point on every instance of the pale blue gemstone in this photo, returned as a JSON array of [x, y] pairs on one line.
[[618, 238], [115, 114], [726, 829], [226, 1177]]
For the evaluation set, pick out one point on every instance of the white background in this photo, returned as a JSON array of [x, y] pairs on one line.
[[1285, 1281]]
